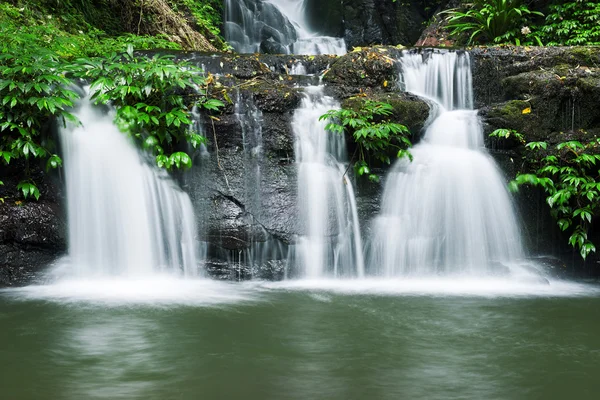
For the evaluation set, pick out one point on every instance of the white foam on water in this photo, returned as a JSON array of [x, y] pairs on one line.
[[441, 287], [156, 290]]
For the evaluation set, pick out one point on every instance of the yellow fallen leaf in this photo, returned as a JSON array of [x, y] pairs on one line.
[[526, 111], [385, 83]]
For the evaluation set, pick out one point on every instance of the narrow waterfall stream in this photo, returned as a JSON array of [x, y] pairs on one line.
[[331, 244], [448, 211], [275, 26], [125, 217]]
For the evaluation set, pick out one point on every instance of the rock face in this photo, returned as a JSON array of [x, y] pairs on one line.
[[32, 234], [368, 22], [547, 94]]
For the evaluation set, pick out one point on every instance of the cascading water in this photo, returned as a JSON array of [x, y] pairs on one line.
[[250, 119], [263, 249], [448, 211], [331, 243], [275, 26], [125, 217]]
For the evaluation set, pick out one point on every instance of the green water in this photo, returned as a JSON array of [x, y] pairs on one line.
[[300, 343]]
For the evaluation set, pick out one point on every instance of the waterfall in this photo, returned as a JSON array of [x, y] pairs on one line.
[[331, 243], [448, 211], [125, 217], [275, 26]]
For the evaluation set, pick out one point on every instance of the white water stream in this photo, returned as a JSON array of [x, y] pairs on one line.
[[448, 211], [331, 244], [126, 218], [275, 26]]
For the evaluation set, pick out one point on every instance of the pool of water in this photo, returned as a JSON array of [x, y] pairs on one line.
[[429, 339]]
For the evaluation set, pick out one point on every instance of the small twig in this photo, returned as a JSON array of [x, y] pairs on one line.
[[350, 162], [141, 16], [217, 153]]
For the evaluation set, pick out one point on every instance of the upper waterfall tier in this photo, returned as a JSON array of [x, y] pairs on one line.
[[442, 77], [275, 26]]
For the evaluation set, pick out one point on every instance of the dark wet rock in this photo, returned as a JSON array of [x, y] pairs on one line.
[[546, 94], [369, 22], [244, 188], [492, 65], [436, 33], [272, 270], [270, 46], [325, 16], [368, 201], [247, 66], [32, 235]]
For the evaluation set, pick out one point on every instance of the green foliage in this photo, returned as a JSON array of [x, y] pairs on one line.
[[31, 93], [572, 23], [373, 132], [571, 180], [207, 13], [493, 21], [25, 27], [507, 133], [29, 189], [150, 97]]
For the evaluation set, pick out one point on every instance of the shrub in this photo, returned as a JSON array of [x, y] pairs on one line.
[[572, 23], [372, 131], [494, 21], [571, 179]]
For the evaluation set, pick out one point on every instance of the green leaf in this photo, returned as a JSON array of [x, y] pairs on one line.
[[180, 160], [53, 162], [28, 189], [213, 104]]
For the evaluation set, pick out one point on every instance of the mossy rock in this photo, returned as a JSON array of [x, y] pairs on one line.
[[527, 84], [511, 115], [273, 96], [366, 67], [519, 115], [580, 55]]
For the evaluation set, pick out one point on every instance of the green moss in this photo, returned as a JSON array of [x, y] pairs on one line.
[[590, 83], [208, 17], [588, 55], [561, 69], [514, 108]]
